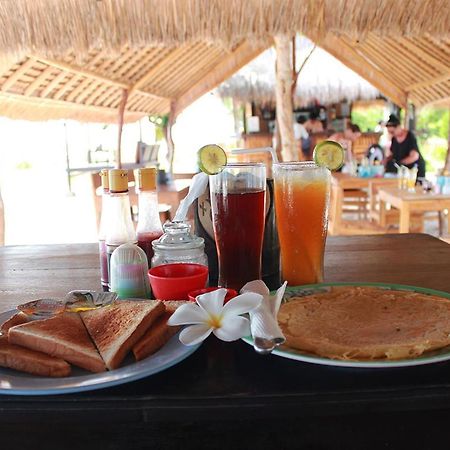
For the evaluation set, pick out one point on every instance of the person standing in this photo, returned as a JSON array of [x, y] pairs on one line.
[[404, 149]]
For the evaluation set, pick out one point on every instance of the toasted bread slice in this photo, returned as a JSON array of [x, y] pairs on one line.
[[63, 336], [172, 305], [16, 319], [365, 323], [115, 329], [36, 363], [155, 337]]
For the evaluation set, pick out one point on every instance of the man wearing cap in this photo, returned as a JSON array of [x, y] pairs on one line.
[[404, 149]]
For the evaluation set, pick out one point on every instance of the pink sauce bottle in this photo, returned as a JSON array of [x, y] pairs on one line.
[[102, 230], [149, 224]]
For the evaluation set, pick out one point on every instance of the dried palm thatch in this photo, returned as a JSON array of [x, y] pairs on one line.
[[55, 27], [323, 78], [74, 58]]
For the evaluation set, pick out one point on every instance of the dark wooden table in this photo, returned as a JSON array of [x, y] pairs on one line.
[[227, 396]]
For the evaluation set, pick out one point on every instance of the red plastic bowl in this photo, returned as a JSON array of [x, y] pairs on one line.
[[231, 293], [175, 281]]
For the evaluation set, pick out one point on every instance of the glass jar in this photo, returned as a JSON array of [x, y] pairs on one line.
[[178, 245]]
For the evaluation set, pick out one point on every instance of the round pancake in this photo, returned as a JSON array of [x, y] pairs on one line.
[[366, 323]]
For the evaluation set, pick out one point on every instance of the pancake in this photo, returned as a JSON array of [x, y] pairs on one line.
[[366, 323]]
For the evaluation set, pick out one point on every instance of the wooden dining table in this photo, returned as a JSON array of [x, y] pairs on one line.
[[227, 396], [409, 202]]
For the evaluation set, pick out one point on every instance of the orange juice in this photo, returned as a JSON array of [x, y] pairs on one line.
[[302, 192]]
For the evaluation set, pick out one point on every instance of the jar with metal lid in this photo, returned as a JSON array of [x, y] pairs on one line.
[[178, 245]]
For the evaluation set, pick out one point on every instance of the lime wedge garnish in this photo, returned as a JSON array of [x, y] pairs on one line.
[[211, 159], [329, 154]]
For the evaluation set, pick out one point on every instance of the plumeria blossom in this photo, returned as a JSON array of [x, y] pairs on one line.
[[209, 315]]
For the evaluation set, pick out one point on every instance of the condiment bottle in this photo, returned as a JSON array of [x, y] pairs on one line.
[[149, 224], [129, 272], [178, 245], [120, 228], [102, 230]]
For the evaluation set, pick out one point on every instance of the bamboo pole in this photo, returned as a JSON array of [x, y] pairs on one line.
[[447, 159], [122, 106], [168, 134], [283, 91], [2, 221]]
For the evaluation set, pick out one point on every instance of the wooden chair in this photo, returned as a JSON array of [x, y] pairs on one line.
[[361, 144]]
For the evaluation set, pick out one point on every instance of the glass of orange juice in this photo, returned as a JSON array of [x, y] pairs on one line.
[[302, 196]]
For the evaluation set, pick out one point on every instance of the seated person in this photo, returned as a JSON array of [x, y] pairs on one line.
[[313, 124], [301, 134], [347, 138], [404, 149]]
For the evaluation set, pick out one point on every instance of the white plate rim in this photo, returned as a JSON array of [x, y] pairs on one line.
[[433, 357], [13, 382]]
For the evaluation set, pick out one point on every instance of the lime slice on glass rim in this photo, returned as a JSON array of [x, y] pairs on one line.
[[211, 159], [329, 154]]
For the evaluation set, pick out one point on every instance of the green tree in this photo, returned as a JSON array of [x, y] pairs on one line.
[[367, 118], [432, 134]]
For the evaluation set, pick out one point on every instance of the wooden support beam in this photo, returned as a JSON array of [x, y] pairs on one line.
[[54, 83], [39, 80], [360, 64], [90, 74], [238, 58], [447, 158], [101, 111], [429, 82], [283, 95], [122, 107], [151, 73], [17, 74]]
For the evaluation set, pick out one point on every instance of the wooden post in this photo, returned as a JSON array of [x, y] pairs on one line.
[[2, 222], [168, 134], [283, 91], [447, 158], [122, 106]]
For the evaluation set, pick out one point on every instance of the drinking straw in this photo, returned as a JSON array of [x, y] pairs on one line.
[[240, 151]]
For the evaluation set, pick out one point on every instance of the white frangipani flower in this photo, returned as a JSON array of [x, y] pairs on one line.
[[209, 315]]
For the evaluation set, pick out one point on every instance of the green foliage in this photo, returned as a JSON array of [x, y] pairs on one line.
[[432, 122], [160, 123], [24, 165], [432, 133], [367, 118]]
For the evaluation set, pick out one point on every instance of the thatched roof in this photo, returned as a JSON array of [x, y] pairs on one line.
[[90, 88], [74, 58], [55, 27], [405, 69], [323, 78]]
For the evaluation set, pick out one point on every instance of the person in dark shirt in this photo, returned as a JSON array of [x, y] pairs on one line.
[[404, 149]]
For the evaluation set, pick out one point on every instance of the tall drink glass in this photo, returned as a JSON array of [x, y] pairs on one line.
[[238, 213], [302, 195]]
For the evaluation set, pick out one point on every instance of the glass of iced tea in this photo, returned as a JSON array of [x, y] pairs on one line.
[[302, 195], [238, 213]]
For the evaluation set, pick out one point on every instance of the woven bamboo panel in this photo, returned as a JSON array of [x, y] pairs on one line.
[[90, 86]]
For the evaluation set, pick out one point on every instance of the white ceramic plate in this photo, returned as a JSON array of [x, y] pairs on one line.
[[13, 382], [299, 291]]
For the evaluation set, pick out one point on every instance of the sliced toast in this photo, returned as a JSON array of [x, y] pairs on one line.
[[155, 337], [115, 329], [63, 336], [26, 360], [17, 319]]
